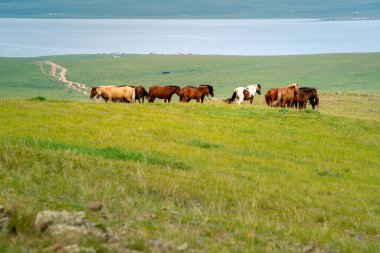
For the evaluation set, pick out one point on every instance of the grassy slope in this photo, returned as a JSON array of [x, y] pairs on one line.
[[191, 9], [22, 78], [219, 177], [332, 72]]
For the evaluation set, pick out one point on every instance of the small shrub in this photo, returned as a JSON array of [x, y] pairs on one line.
[[39, 98]]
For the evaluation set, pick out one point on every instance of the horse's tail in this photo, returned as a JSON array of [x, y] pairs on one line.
[[278, 101], [268, 98], [133, 99], [230, 100], [181, 95]]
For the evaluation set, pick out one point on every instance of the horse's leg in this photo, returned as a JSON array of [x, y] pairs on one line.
[[169, 98], [251, 99], [238, 100]]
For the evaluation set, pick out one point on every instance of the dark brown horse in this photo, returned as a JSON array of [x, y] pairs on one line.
[[163, 92], [198, 93], [140, 93], [271, 96], [306, 94]]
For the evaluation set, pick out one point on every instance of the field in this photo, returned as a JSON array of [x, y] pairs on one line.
[[199, 177], [348, 73]]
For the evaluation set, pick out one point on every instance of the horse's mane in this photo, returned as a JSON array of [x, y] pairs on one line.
[[173, 86], [259, 85], [210, 87], [307, 88], [293, 85]]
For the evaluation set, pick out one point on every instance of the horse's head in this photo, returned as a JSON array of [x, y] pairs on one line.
[[295, 85], [209, 90], [94, 92], [258, 88], [144, 92], [177, 90]]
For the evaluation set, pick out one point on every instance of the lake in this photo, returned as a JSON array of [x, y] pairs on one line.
[[40, 37]]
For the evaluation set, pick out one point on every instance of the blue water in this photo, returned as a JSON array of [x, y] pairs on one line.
[[39, 37]]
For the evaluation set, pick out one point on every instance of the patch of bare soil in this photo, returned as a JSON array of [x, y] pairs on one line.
[[58, 73]]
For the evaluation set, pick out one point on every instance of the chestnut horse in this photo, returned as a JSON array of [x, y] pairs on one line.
[[271, 96], [163, 92], [198, 93], [245, 93], [306, 94], [286, 95]]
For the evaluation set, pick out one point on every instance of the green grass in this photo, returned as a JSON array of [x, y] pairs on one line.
[[22, 78], [223, 178], [355, 73]]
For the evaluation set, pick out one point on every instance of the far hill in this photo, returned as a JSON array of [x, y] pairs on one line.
[[324, 9]]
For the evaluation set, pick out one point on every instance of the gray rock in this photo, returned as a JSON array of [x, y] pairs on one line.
[[45, 219], [76, 249], [183, 247], [72, 226], [95, 206]]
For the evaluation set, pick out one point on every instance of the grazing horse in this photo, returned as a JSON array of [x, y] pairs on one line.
[[190, 92], [271, 96], [286, 95], [163, 92], [114, 93], [306, 94], [245, 93], [140, 92]]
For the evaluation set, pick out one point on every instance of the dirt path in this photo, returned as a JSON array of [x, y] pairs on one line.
[[58, 73]]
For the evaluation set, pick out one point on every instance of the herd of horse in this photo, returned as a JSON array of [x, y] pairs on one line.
[[289, 96]]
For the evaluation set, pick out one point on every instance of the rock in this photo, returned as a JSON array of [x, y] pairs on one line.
[[95, 206], [71, 226], [5, 218], [159, 246], [184, 246], [4, 223], [76, 249], [308, 249], [45, 219], [174, 213], [65, 230]]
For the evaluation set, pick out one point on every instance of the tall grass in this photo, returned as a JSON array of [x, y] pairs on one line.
[[220, 177]]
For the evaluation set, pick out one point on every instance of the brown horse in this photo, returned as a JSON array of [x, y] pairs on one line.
[[140, 93], [286, 95], [271, 96], [198, 93], [114, 93], [163, 92], [306, 94]]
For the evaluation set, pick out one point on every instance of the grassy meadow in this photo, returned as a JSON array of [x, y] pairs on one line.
[[218, 177], [352, 73]]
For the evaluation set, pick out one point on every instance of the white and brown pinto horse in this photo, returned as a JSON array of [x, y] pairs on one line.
[[114, 93], [245, 93]]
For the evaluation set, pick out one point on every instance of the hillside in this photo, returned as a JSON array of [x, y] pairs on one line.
[[347, 73], [206, 178], [337, 9], [210, 177]]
